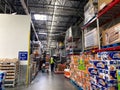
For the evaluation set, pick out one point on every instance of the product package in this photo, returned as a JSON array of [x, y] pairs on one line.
[[111, 55]]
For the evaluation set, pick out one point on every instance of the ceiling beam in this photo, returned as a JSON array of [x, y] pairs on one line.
[[60, 15], [53, 26], [51, 8], [51, 5], [47, 12], [45, 28], [51, 21]]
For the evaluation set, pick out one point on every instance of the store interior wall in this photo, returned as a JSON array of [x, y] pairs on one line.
[[14, 37], [14, 30]]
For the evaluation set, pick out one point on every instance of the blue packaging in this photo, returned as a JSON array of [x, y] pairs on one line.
[[118, 62], [93, 79], [112, 74], [111, 55], [101, 70], [101, 82], [99, 64], [111, 67], [106, 83], [109, 77], [110, 62], [101, 73], [111, 88], [94, 87], [93, 71], [111, 83]]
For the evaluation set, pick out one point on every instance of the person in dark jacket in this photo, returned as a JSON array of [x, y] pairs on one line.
[[44, 57]]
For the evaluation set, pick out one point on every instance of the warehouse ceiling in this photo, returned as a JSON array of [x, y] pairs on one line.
[[56, 16]]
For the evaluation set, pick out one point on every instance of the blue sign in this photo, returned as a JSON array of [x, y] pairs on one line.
[[23, 55]]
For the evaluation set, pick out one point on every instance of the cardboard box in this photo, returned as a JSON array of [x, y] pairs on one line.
[[89, 11], [103, 3], [111, 35]]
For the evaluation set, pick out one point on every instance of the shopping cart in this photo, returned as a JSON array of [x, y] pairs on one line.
[[45, 67]]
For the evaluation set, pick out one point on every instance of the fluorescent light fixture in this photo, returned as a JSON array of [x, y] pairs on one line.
[[14, 13], [43, 33], [40, 17]]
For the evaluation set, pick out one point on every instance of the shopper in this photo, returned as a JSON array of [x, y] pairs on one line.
[[52, 64]]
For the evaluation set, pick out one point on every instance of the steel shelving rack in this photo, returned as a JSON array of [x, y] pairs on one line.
[[107, 14], [104, 16]]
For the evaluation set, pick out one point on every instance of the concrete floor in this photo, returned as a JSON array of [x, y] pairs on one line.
[[44, 81]]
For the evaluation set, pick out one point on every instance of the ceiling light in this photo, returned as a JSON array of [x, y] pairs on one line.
[[14, 13], [40, 17], [43, 33]]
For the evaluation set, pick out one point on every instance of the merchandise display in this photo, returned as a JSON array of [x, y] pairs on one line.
[[78, 71], [67, 73], [11, 67], [103, 72], [78, 39], [98, 69]]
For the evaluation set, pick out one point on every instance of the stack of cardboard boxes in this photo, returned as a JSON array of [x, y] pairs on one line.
[[79, 71], [92, 7], [89, 11], [99, 71], [111, 35]]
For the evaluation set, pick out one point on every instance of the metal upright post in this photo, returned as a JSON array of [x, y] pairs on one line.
[[98, 30], [83, 41]]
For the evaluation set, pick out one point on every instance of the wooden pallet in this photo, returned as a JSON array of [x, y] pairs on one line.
[[8, 83], [92, 47], [10, 74], [7, 68], [10, 77]]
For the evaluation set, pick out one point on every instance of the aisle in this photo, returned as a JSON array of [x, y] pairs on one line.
[[45, 81]]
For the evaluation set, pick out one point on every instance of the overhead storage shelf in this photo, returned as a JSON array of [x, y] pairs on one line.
[[106, 14]]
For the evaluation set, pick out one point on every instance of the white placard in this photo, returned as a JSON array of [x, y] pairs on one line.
[[91, 38]]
